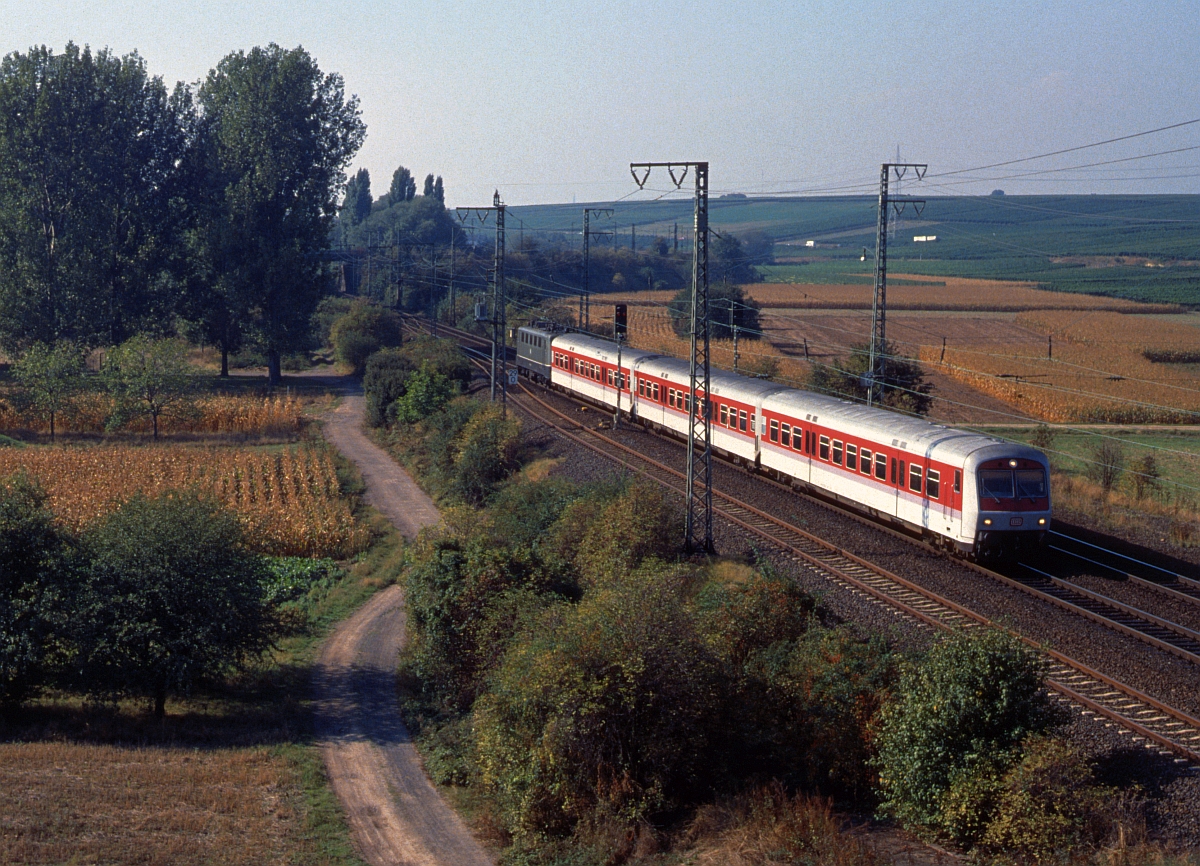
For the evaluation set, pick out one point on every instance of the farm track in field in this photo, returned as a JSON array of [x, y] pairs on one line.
[[1151, 719]]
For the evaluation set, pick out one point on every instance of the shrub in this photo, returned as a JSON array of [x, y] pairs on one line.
[[363, 330], [31, 559], [485, 454], [384, 381], [968, 701], [169, 596], [425, 392], [639, 524], [605, 708], [808, 705], [1047, 805], [464, 599]]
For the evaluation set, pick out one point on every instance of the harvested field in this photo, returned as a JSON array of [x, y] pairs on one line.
[[290, 501], [940, 293], [1055, 357], [81, 803]]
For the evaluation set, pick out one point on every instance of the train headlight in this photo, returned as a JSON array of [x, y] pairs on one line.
[[1041, 521], [987, 521], [1012, 464]]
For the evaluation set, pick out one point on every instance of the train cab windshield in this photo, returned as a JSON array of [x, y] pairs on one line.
[[998, 484], [1031, 483]]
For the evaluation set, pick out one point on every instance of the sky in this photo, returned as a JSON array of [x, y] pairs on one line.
[[550, 101]]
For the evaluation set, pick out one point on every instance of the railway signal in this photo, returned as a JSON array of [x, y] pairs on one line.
[[499, 377]]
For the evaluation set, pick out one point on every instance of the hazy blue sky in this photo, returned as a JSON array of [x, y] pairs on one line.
[[549, 102]]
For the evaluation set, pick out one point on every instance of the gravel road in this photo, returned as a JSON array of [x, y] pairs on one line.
[[395, 814]]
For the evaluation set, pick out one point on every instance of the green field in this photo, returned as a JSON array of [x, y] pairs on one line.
[[991, 237]]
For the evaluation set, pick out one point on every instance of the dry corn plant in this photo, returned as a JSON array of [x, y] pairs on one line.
[[241, 414], [289, 502]]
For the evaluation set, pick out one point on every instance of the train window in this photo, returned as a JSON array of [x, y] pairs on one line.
[[824, 447], [899, 479], [893, 481], [742, 420], [837, 451], [796, 440], [787, 435], [881, 467], [851, 457], [933, 480], [996, 484], [775, 431], [1031, 483], [752, 421], [866, 461], [641, 383], [958, 481], [655, 391], [724, 415], [914, 478]]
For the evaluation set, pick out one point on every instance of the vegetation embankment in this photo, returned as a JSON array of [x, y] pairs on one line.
[[588, 695], [161, 604]]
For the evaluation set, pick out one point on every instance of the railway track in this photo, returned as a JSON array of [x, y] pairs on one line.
[[1147, 575], [1147, 718]]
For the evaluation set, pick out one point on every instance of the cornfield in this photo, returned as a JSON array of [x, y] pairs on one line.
[[289, 502], [218, 414]]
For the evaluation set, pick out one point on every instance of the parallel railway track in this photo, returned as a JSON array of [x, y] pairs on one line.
[[1148, 718]]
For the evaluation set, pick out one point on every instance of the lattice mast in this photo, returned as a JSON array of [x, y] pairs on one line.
[[877, 362], [698, 532]]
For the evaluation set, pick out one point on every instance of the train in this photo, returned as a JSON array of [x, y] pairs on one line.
[[975, 495]]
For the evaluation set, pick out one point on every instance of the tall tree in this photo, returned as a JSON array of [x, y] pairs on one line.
[[403, 187], [357, 204], [90, 149], [278, 135], [428, 191], [350, 200], [439, 191]]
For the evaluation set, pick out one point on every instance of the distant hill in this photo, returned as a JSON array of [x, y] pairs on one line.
[[1145, 247]]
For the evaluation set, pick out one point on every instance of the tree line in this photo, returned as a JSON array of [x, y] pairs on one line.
[[126, 207]]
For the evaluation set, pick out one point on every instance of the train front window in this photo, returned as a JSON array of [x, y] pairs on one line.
[[995, 484], [1031, 483]]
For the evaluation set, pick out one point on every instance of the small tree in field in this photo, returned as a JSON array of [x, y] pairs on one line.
[[1108, 462], [1145, 475], [52, 375], [170, 596], [149, 378]]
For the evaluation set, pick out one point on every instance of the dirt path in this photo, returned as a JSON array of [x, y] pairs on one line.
[[395, 814]]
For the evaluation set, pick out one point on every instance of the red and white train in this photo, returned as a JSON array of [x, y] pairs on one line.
[[977, 495]]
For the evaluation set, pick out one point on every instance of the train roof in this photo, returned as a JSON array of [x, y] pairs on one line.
[[599, 348], [914, 435]]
